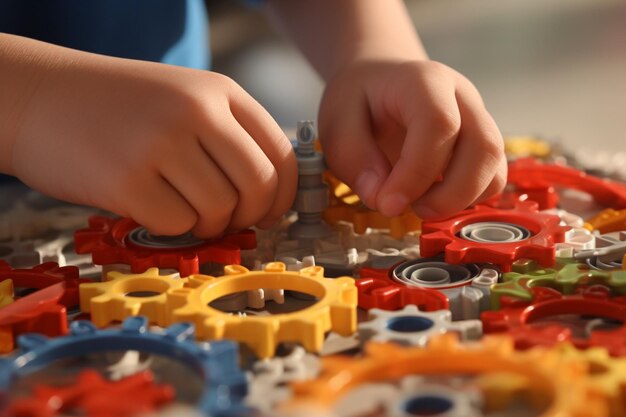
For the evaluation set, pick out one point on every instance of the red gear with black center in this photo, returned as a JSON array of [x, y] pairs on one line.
[[108, 242], [443, 236]]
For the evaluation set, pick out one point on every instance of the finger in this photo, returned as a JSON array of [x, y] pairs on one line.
[[157, 206], [274, 144], [425, 103], [246, 166], [352, 153], [497, 183], [205, 187], [477, 158]]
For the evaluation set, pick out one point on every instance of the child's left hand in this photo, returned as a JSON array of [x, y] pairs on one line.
[[391, 129]]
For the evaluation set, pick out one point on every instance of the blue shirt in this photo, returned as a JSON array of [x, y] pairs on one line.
[[169, 31]]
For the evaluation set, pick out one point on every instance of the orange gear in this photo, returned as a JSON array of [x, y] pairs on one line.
[[555, 385]]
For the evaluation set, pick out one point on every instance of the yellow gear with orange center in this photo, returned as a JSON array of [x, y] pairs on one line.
[[346, 206], [6, 292], [113, 300], [554, 385], [335, 309]]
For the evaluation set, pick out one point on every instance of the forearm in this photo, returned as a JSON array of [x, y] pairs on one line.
[[335, 33], [25, 64]]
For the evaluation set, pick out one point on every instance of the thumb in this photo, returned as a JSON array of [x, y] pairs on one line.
[[352, 153]]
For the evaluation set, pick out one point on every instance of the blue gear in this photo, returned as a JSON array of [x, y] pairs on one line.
[[225, 385]]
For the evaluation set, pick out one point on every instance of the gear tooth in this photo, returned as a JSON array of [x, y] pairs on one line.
[[314, 271], [235, 270], [275, 267]]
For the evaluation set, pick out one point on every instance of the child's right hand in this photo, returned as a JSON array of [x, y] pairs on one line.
[[176, 149]]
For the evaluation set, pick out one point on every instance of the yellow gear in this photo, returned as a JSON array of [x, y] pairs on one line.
[[335, 309], [524, 146], [346, 206], [553, 384], [606, 375], [6, 292], [113, 300]]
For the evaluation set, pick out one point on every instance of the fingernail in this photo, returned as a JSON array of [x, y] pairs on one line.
[[366, 186], [425, 212], [393, 204]]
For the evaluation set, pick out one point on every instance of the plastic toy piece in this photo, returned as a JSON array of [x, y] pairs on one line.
[[6, 292], [93, 395], [39, 276], [346, 206], [566, 280], [412, 396], [517, 318], [123, 241], [215, 363], [605, 375], [312, 196], [44, 311], [125, 295], [466, 286], [487, 235], [412, 327], [270, 378], [335, 309], [530, 171], [608, 220], [526, 146], [555, 386], [609, 251], [380, 292]]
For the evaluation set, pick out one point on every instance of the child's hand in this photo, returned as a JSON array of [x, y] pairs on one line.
[[391, 129], [175, 149]]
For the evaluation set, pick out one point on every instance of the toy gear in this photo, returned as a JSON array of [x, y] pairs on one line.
[[381, 292], [608, 253], [608, 220], [335, 309], [411, 396], [269, 378], [530, 171], [518, 318], [92, 394], [605, 375], [125, 295], [566, 280], [412, 327], [553, 384], [216, 363], [484, 234], [466, 286], [123, 241], [45, 310], [6, 292], [345, 206]]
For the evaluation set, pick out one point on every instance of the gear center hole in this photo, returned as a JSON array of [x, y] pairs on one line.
[[428, 405], [409, 324]]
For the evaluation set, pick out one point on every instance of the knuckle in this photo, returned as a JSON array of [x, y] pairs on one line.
[[444, 124]]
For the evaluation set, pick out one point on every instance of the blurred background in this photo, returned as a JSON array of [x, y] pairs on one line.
[[552, 68]]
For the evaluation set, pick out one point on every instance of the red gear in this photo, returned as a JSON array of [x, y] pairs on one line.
[[528, 172], [377, 290], [107, 241], [96, 397], [442, 236], [44, 311], [516, 318]]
